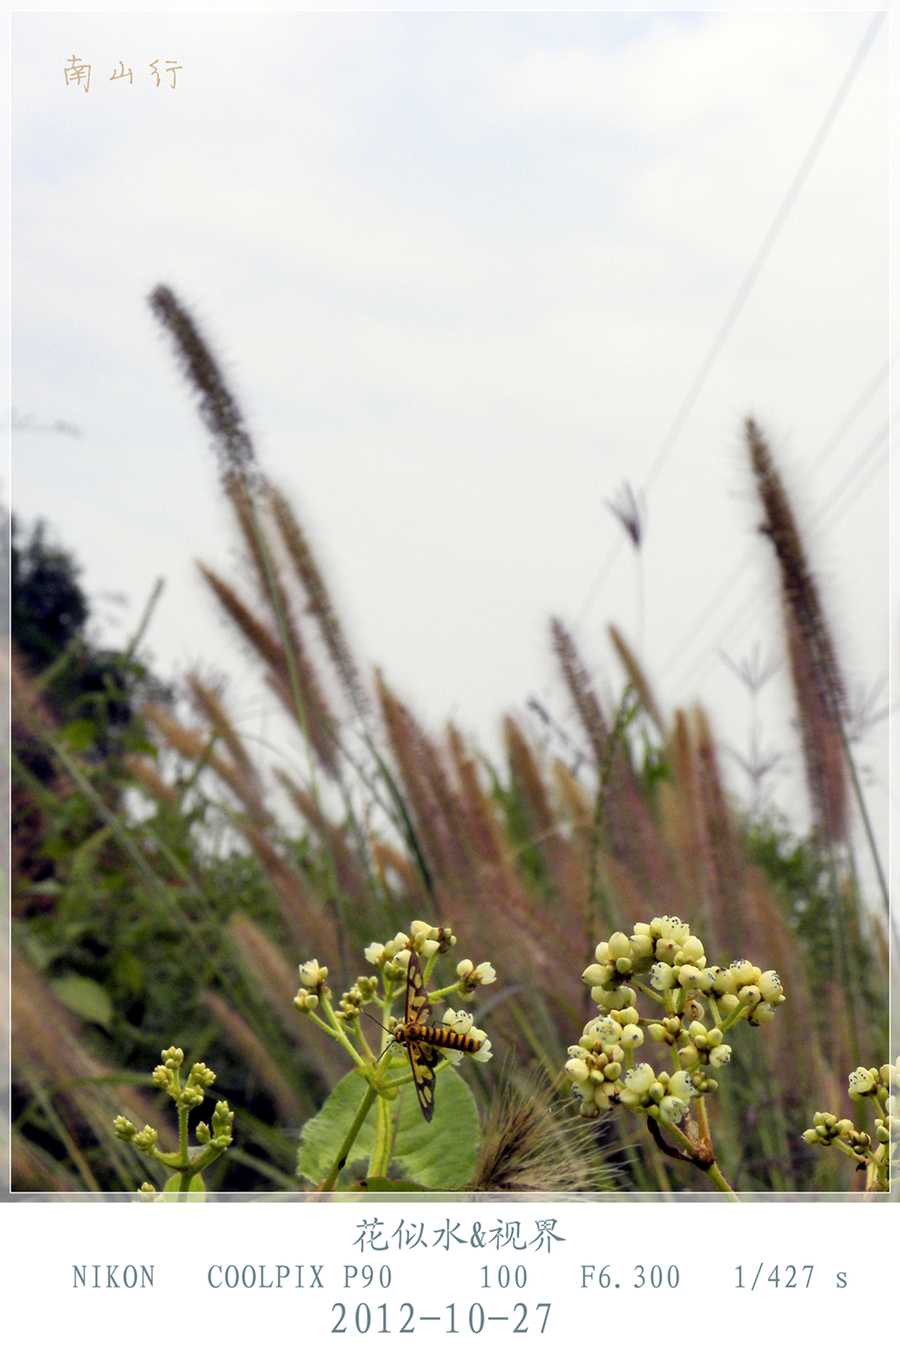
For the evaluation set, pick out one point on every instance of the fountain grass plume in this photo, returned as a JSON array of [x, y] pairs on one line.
[[818, 683], [218, 407]]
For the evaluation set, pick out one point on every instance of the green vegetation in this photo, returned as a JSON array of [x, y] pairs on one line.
[[184, 918]]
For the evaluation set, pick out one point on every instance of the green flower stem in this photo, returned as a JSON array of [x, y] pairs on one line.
[[719, 1180], [381, 1151], [739, 1013], [844, 1149], [336, 1031], [173, 1160], [400, 1081], [429, 966], [443, 992], [331, 1178], [694, 1153], [648, 990], [183, 1132], [703, 1120], [355, 1030]]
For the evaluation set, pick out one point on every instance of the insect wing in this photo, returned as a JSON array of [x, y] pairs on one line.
[[416, 997], [423, 1056]]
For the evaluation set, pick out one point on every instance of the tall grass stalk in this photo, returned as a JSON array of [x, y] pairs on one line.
[[820, 697], [243, 869]]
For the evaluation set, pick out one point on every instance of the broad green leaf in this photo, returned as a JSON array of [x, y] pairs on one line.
[[438, 1155], [196, 1190], [85, 997]]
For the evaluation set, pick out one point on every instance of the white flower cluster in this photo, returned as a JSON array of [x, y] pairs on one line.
[[876, 1150], [595, 1065], [379, 955], [471, 977], [672, 966], [676, 962], [312, 986], [662, 1096]]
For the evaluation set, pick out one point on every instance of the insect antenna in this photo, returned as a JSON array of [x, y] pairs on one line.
[[391, 1039]]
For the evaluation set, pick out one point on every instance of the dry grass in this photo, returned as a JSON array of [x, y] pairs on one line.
[[530, 864]]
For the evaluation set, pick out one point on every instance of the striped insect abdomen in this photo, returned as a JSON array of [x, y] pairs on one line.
[[436, 1036]]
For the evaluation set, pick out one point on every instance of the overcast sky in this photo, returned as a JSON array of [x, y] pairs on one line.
[[467, 274]]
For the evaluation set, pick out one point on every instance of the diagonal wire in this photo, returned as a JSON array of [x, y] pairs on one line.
[[742, 616], [740, 298], [726, 589]]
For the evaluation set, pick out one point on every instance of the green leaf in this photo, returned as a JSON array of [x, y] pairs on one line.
[[130, 971], [46, 888], [78, 735], [85, 997], [38, 951], [439, 1155], [196, 1190]]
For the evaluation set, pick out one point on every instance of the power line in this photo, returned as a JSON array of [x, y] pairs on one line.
[[842, 496], [726, 588], [740, 298], [840, 492], [859, 405]]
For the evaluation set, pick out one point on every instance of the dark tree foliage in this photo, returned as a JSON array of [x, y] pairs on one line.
[[48, 608], [49, 613], [63, 687]]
